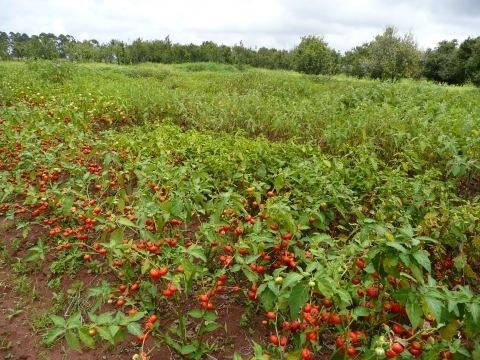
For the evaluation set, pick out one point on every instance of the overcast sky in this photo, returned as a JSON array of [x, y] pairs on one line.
[[272, 23]]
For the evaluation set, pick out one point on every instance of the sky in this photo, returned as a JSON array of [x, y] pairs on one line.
[[270, 23]]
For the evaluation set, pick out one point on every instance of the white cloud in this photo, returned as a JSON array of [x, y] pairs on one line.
[[271, 23]]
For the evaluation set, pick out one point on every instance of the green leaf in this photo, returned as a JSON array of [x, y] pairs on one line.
[[422, 257], [211, 327], [73, 341], [298, 298], [251, 276], [126, 222], [196, 313], [58, 321], [397, 246], [344, 296], [197, 252], [267, 297], [85, 337], [117, 236], [53, 335], [414, 310], [210, 316], [105, 334], [474, 310], [361, 311], [132, 318], [292, 278], [187, 349], [134, 329], [435, 306]]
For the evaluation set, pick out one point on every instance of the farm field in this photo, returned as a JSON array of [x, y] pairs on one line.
[[205, 211]]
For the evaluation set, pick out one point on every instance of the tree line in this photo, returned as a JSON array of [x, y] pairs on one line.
[[388, 56]]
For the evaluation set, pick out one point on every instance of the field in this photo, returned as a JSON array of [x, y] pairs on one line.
[[205, 211]]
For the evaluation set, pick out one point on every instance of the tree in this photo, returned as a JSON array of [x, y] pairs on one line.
[[469, 54], [4, 46], [444, 63], [392, 57], [313, 56]]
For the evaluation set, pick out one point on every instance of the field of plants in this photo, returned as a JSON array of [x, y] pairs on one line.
[[205, 211]]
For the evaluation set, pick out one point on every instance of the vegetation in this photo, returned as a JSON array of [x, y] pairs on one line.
[[342, 212], [388, 56]]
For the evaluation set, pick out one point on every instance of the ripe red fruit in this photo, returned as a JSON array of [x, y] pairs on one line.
[[416, 345], [271, 315], [326, 302], [397, 348], [306, 354], [397, 329], [152, 319], [356, 281], [295, 325], [167, 293], [155, 274], [353, 337], [360, 263], [312, 336], [351, 351], [283, 341], [273, 339], [391, 354], [415, 352], [203, 298], [335, 319], [372, 292], [340, 341]]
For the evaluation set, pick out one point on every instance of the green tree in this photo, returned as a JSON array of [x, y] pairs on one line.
[[469, 54], [444, 63], [391, 56], [313, 56]]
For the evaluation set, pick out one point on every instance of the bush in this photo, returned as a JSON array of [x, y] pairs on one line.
[[55, 71]]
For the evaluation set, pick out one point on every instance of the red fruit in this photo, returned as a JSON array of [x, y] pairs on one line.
[[238, 231], [203, 298], [271, 315], [397, 348], [312, 336], [351, 351], [372, 292], [163, 271], [356, 281], [295, 325], [335, 319], [416, 345], [273, 339], [326, 302], [391, 354], [397, 329], [167, 293], [360, 263], [286, 325], [152, 319], [340, 341], [283, 341], [353, 337], [415, 352], [155, 274], [306, 354]]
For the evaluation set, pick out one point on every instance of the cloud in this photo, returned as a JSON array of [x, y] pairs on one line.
[[271, 23]]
